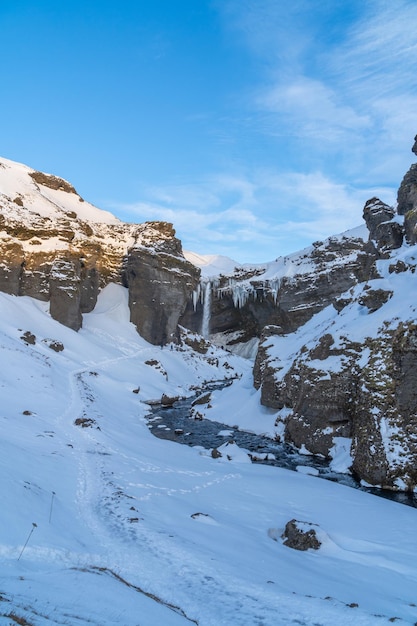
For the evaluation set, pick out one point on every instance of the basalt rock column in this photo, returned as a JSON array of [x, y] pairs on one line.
[[160, 281]]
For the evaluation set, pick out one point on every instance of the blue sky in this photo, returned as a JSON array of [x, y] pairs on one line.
[[255, 126]]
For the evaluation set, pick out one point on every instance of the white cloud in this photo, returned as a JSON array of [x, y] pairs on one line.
[[256, 218], [345, 101], [313, 109], [350, 98]]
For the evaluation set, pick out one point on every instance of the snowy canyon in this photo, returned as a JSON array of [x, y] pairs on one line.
[[100, 319]]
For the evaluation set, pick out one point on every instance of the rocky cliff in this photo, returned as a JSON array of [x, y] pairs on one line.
[[58, 248], [348, 374], [285, 293]]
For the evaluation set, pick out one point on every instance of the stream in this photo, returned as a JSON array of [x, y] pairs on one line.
[[176, 424]]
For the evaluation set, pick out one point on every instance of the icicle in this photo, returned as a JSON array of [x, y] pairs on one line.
[[274, 287], [196, 295], [205, 328], [240, 292]]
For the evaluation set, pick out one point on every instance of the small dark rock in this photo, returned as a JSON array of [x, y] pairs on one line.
[[85, 422], [168, 400], [340, 303], [374, 299], [301, 535], [55, 345], [398, 267], [204, 399], [29, 338]]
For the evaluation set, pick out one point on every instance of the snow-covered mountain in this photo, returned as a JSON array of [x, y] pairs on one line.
[[103, 523], [58, 248]]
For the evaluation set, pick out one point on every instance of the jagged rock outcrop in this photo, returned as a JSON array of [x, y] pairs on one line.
[[387, 233], [407, 200], [338, 387], [376, 212], [56, 247], [316, 389], [385, 425], [155, 267]]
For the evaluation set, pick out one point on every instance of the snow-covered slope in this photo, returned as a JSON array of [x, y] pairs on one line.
[[53, 198], [105, 524], [211, 264], [296, 264]]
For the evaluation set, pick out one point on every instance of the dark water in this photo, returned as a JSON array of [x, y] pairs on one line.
[[176, 424]]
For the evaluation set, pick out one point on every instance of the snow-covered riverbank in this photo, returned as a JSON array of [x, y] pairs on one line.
[[131, 529]]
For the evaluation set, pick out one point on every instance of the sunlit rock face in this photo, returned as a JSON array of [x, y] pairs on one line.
[[58, 248], [161, 283]]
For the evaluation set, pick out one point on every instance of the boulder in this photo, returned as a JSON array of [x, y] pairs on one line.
[[374, 299], [301, 535], [168, 400]]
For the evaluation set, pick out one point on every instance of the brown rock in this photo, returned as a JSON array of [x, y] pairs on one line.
[[301, 535]]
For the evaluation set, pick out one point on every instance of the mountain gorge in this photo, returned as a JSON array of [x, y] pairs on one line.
[[104, 325], [331, 328]]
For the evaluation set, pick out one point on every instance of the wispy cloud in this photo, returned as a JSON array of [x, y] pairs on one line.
[[349, 96], [313, 109], [334, 102], [256, 218]]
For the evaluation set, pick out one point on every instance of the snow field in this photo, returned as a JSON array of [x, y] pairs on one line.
[[133, 530]]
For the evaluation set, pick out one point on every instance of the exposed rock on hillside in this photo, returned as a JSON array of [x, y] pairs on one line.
[[387, 233], [407, 200], [349, 373], [56, 247], [155, 267], [301, 535], [286, 293]]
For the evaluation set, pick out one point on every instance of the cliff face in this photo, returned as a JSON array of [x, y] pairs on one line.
[[155, 267], [287, 292], [56, 247], [349, 372]]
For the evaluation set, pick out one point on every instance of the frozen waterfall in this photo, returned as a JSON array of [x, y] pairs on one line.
[[205, 326]]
